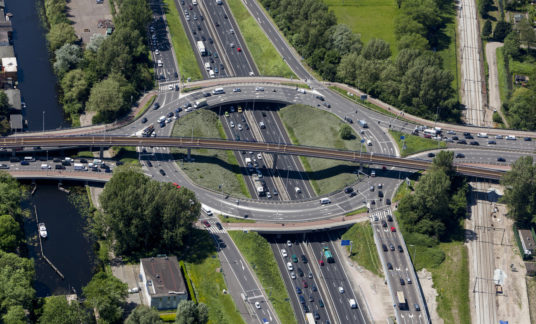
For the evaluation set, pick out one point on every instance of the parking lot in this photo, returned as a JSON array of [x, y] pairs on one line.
[[129, 274], [86, 14]]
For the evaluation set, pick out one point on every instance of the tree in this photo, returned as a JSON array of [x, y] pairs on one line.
[[107, 294], [9, 233], [156, 213], [75, 91], [444, 161], [345, 132], [60, 34], [67, 57], [376, 49], [512, 45], [190, 313], [57, 310], [95, 41], [502, 29], [484, 6], [4, 104], [486, 30], [143, 315], [344, 40], [520, 186], [16, 275], [15, 315], [526, 32], [107, 97], [346, 71], [413, 40], [522, 109], [10, 194]]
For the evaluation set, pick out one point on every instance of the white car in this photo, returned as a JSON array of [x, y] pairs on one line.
[[231, 123], [259, 89], [240, 127], [156, 52], [259, 156], [257, 305], [133, 290], [236, 90], [289, 266], [284, 253], [170, 87], [341, 290], [293, 275], [289, 243]]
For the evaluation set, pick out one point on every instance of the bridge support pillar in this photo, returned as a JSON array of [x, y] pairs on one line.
[[275, 162], [13, 152], [189, 157], [101, 152]]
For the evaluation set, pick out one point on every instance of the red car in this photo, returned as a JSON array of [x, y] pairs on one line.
[[321, 262], [206, 223], [239, 49], [176, 185], [393, 229], [305, 285]]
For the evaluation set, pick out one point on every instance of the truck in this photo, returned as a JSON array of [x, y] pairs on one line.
[[363, 123], [401, 300], [310, 318], [200, 103], [148, 131], [327, 255], [79, 166], [201, 48], [430, 132]]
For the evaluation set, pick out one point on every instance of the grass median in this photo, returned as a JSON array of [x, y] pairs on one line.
[[415, 144], [267, 58], [364, 250], [227, 219], [145, 107], [259, 255], [211, 168], [314, 127], [183, 49]]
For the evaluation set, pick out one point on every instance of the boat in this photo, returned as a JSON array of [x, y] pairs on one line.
[[42, 230]]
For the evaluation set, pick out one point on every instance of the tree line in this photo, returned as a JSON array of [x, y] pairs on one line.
[[110, 72], [413, 80]]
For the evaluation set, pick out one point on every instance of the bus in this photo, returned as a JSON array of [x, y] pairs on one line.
[[429, 132], [327, 254], [310, 318], [401, 300]]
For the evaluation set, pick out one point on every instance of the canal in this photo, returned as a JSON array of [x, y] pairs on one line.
[[37, 81], [68, 245]]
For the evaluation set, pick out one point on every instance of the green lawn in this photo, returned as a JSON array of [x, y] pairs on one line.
[[357, 211], [226, 219], [146, 106], [183, 49], [211, 167], [448, 54], [364, 250], [209, 284], [415, 144], [267, 58], [501, 69], [326, 175], [126, 154], [369, 18], [259, 255], [524, 66]]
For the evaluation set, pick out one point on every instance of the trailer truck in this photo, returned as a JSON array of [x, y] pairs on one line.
[[201, 48]]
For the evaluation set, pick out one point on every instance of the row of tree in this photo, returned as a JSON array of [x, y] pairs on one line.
[[108, 75], [5, 108], [520, 191]]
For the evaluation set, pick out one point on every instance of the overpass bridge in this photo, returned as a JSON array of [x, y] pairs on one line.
[[207, 143], [85, 176]]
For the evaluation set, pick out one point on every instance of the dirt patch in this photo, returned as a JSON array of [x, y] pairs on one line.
[[87, 118], [430, 294], [86, 14], [531, 290]]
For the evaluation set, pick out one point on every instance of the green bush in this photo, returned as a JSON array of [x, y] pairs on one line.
[[191, 291]]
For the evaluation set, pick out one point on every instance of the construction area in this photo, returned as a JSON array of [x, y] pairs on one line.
[[90, 17]]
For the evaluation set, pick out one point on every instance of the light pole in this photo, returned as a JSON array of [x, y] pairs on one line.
[[43, 121]]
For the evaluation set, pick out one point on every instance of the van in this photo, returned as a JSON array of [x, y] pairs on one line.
[[207, 66], [294, 258], [482, 135], [353, 304], [218, 91], [261, 124], [211, 74], [160, 64], [369, 143], [325, 201], [511, 138], [45, 166], [290, 267], [207, 210], [97, 161], [29, 159]]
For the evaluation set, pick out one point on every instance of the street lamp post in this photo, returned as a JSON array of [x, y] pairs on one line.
[[43, 121]]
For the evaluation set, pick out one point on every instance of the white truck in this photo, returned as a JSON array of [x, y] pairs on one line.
[[200, 103], [363, 123], [79, 166], [201, 48]]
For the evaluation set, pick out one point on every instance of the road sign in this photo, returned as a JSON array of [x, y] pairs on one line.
[[362, 140], [402, 137], [345, 242]]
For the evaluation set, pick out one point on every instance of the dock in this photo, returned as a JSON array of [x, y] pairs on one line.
[[42, 253]]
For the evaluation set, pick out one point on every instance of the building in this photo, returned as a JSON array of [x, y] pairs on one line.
[[527, 242], [163, 283], [13, 97], [15, 121]]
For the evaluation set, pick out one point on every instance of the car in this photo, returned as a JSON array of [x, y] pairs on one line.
[[431, 155], [527, 139], [474, 143], [314, 287], [237, 90], [380, 193], [83, 161], [259, 89], [302, 299], [461, 142], [466, 134], [298, 290], [231, 123], [24, 162], [316, 315], [348, 190], [311, 299], [57, 166], [384, 247], [455, 138], [384, 223], [206, 223], [460, 155], [293, 275], [162, 172], [133, 290], [156, 105], [321, 262], [310, 275], [408, 280], [388, 201], [170, 87], [226, 114], [304, 283], [304, 258], [257, 305], [492, 142], [305, 308], [218, 225], [149, 164], [341, 290], [300, 272], [284, 253], [450, 132], [170, 114], [498, 137], [144, 120], [402, 282], [400, 249], [391, 246], [289, 243], [389, 266], [320, 303], [417, 308], [469, 137], [289, 265], [240, 127], [393, 229], [501, 159], [217, 24], [389, 218]]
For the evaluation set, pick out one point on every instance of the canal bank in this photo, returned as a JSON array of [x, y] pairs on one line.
[[36, 78], [69, 246]]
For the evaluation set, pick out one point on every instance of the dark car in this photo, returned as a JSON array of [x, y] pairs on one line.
[[178, 110], [380, 193], [469, 137], [431, 154], [302, 300], [304, 258], [118, 163], [384, 223], [56, 160], [527, 139], [400, 249], [384, 247], [474, 143], [388, 201], [149, 164], [298, 290], [300, 272], [461, 142], [320, 303], [492, 142], [389, 218], [466, 134], [389, 266], [348, 190], [391, 246], [83, 161], [402, 282], [103, 166], [218, 225], [24, 162], [326, 105], [460, 155], [66, 163], [317, 316], [353, 194], [501, 159], [455, 138], [170, 114], [314, 287], [162, 172], [59, 167], [144, 120]]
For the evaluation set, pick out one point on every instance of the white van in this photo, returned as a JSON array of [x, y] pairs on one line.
[[353, 304], [211, 74], [289, 266], [29, 158], [325, 201], [45, 166], [162, 119], [206, 210], [482, 135], [511, 138], [207, 66], [160, 64], [194, 2], [218, 91], [97, 161]]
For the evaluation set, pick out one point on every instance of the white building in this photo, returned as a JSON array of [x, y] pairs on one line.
[[163, 283]]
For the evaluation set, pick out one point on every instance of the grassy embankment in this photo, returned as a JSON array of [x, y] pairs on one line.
[[326, 175], [183, 49], [266, 57], [415, 144], [259, 255], [225, 219], [145, 107], [364, 250], [211, 168]]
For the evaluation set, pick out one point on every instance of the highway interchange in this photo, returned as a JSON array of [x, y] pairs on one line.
[[217, 24]]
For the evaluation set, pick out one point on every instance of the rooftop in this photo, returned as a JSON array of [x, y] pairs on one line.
[[7, 51], [15, 121], [9, 64], [164, 275], [13, 97]]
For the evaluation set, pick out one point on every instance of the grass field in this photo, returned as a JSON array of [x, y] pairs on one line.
[[357, 211], [267, 58], [415, 144], [126, 154], [326, 175], [183, 49], [226, 219], [501, 70], [259, 255], [369, 18], [211, 167], [209, 284], [524, 66], [448, 54], [364, 250]]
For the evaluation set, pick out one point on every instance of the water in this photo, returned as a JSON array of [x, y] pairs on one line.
[[37, 81], [67, 245]]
